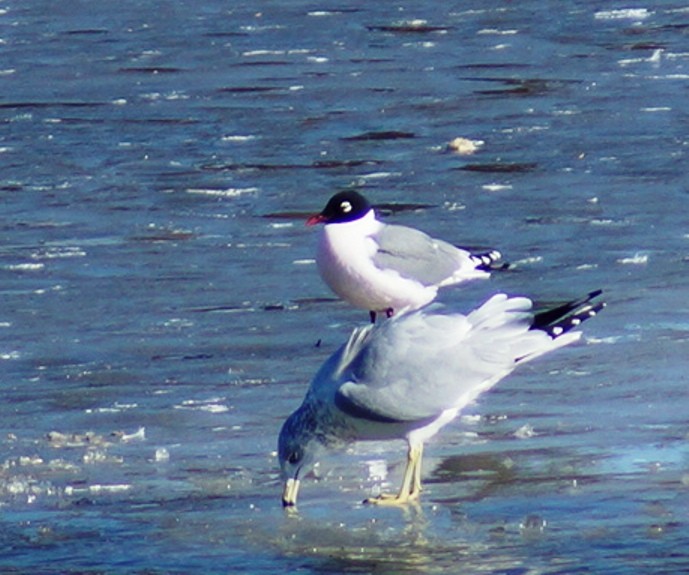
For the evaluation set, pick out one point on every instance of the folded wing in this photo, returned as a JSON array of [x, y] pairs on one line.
[[415, 255], [422, 363]]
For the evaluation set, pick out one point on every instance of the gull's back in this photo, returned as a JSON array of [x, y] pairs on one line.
[[421, 363], [415, 255]]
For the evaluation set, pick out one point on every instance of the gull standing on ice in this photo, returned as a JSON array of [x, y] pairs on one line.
[[407, 377], [383, 267]]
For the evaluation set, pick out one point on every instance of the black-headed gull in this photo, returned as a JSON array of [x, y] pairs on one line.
[[384, 268], [408, 377]]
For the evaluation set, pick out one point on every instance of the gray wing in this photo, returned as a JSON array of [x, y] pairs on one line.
[[416, 366], [414, 254]]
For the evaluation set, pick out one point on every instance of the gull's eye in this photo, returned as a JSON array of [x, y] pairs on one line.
[[294, 458], [346, 207]]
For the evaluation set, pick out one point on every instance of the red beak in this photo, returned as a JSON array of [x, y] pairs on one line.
[[316, 219]]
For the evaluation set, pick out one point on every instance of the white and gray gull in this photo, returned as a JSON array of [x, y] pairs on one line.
[[385, 267], [407, 377]]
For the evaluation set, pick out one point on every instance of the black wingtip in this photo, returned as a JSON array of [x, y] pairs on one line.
[[558, 321], [489, 261]]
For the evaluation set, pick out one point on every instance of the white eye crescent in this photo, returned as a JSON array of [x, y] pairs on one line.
[[346, 207]]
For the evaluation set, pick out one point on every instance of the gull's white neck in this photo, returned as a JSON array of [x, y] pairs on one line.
[[363, 226]]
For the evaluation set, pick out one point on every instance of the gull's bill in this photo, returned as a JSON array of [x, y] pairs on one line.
[[289, 495]]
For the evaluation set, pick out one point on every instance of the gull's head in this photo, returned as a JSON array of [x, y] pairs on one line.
[[298, 448], [343, 207]]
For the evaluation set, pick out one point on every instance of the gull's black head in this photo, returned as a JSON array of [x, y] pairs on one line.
[[346, 206]]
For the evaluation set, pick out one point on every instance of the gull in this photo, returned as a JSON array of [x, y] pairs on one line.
[[383, 267], [409, 376]]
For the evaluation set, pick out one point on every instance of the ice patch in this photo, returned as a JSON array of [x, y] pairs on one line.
[[496, 32], [623, 14], [496, 187], [212, 405], [377, 470], [178, 323], [214, 408], [59, 252], [454, 206], [676, 55], [138, 435], [419, 23], [424, 45], [671, 77], [525, 432], [566, 112], [379, 175], [117, 407], [250, 53], [613, 339], [608, 222], [637, 259], [170, 96], [96, 456], [465, 146], [652, 59], [530, 260], [97, 489], [322, 13], [61, 440], [22, 486], [226, 193], [161, 455], [237, 138]]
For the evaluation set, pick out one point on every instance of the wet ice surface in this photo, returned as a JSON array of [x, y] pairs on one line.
[[161, 308]]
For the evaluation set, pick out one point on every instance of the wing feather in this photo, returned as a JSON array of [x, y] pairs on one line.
[[421, 364], [415, 255]]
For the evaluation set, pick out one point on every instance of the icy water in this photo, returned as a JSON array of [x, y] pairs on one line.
[[161, 311]]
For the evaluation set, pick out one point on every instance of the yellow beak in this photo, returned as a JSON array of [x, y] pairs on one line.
[[289, 495]]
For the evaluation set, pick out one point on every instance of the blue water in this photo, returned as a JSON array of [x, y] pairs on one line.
[[161, 310]]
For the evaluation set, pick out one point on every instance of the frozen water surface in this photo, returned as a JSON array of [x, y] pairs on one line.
[[161, 311]]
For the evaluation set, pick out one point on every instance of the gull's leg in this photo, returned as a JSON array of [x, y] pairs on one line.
[[411, 483], [388, 313], [416, 488]]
